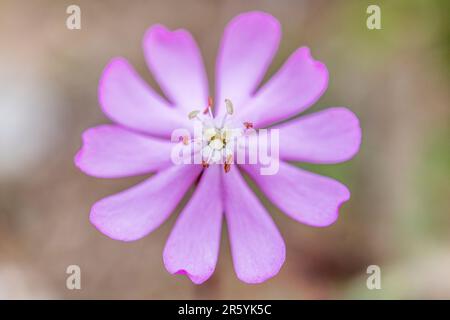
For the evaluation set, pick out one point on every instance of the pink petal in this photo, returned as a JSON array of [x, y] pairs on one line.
[[329, 136], [295, 87], [135, 212], [177, 65], [248, 45], [304, 196], [193, 245], [126, 99], [256, 245], [111, 151]]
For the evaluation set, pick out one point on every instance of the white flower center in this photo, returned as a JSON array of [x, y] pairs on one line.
[[216, 143], [218, 137]]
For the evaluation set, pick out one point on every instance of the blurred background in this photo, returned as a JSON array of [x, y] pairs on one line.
[[395, 79]]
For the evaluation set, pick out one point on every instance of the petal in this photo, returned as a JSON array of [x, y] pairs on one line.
[[295, 87], [248, 45], [111, 151], [133, 213], [256, 245], [193, 245], [177, 65], [126, 99], [304, 196], [329, 136]]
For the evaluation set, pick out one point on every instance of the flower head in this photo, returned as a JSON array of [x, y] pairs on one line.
[[140, 142]]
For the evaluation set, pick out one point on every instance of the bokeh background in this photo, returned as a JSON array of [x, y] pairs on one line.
[[395, 79]]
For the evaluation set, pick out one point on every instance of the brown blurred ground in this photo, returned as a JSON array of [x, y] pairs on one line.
[[396, 80]]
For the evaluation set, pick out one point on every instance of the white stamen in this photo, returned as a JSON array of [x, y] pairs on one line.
[[210, 113]]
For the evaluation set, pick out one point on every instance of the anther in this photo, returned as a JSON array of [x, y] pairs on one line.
[[228, 162], [229, 106], [193, 114], [248, 125]]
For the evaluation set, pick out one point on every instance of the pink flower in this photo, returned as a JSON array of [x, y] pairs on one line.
[[139, 143]]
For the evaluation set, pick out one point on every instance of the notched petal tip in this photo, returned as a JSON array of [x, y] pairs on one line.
[[334, 217], [176, 63], [174, 269], [113, 68], [352, 122], [114, 64], [345, 196], [258, 17], [117, 61], [196, 279], [356, 124], [155, 32], [79, 162], [78, 159], [260, 278], [163, 35], [88, 158], [305, 53]]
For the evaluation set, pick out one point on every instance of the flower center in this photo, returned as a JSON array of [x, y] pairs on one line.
[[218, 136]]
